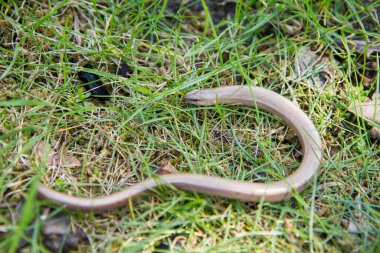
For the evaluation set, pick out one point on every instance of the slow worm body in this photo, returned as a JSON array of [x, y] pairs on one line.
[[234, 189]]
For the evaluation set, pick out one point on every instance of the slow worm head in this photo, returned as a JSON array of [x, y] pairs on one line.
[[234, 189]]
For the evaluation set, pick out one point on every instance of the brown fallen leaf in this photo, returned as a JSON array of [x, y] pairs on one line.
[[291, 27], [313, 69], [67, 161], [55, 158], [360, 46], [76, 26], [369, 110], [167, 169], [59, 234], [374, 133]]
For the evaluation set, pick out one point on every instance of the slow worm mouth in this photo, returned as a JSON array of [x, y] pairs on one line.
[[193, 97], [201, 97]]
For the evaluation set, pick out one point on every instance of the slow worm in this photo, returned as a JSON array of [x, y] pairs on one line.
[[212, 185]]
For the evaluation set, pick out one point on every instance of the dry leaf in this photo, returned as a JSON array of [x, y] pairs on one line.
[[76, 25], [352, 227], [313, 69], [167, 169], [59, 234], [369, 110], [55, 158], [374, 133], [359, 46], [291, 27], [67, 161]]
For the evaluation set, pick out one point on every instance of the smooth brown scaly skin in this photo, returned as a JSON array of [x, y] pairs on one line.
[[233, 189]]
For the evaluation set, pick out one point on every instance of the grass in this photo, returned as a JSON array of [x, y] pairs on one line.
[[145, 124]]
